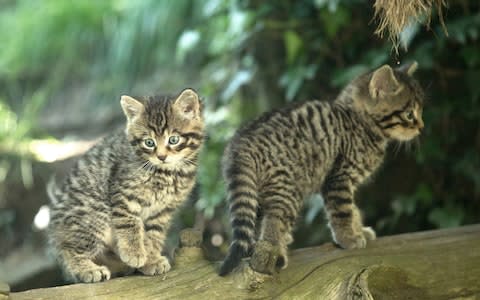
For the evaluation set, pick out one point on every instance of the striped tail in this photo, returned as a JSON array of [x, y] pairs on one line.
[[243, 199]]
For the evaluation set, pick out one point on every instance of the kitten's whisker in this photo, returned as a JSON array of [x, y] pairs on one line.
[[408, 146], [148, 167], [144, 166], [190, 161], [141, 168], [396, 148], [137, 169], [152, 168], [417, 144]]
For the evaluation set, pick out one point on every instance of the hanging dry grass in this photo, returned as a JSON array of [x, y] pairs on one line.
[[394, 15]]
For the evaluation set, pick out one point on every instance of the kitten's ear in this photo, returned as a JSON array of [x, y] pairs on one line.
[[409, 69], [383, 83], [188, 104], [131, 107]]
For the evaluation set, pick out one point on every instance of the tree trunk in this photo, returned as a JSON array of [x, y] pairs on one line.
[[441, 264]]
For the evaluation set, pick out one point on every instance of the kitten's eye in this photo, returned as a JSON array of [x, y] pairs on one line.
[[410, 116], [173, 140], [149, 143]]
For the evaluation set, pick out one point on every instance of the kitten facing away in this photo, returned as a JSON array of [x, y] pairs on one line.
[[276, 161], [112, 212]]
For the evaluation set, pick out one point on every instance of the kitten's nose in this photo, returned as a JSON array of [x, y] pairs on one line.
[[162, 157]]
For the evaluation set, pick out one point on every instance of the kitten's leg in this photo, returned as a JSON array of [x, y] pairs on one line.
[[81, 267], [344, 216], [79, 235], [270, 252], [128, 231], [156, 227]]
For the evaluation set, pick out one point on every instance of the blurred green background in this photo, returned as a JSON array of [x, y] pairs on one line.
[[64, 65]]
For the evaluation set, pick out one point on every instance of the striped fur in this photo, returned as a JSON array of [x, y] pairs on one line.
[[112, 212], [276, 161]]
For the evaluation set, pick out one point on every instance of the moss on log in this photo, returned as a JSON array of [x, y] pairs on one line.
[[442, 264]]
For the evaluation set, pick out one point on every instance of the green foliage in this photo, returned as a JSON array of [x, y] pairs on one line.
[[29, 48], [104, 47], [109, 44]]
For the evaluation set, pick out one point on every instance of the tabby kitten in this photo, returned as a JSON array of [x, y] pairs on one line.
[[113, 210], [273, 163]]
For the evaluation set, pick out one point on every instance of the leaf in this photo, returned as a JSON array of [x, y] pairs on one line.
[[293, 79], [404, 205], [424, 194], [334, 21], [293, 44], [343, 76], [423, 54], [186, 43], [240, 78], [331, 4], [471, 56], [450, 216]]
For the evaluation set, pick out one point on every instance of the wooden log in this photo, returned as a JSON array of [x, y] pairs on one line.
[[4, 290], [441, 264]]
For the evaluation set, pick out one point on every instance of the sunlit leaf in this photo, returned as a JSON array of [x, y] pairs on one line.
[[293, 44]]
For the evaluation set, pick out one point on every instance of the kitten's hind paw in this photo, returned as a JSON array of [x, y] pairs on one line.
[[159, 267], [351, 240], [268, 258], [100, 273]]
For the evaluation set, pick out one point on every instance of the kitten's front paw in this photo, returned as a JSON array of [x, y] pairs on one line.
[[98, 274], [369, 233], [268, 258], [159, 267], [133, 257]]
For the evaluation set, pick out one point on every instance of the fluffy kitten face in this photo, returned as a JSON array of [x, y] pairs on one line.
[[394, 100], [406, 125], [165, 132]]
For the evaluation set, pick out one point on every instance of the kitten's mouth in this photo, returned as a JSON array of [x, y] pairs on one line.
[[405, 135], [416, 134], [406, 138], [163, 163]]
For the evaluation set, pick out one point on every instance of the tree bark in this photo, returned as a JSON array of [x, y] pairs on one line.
[[441, 264]]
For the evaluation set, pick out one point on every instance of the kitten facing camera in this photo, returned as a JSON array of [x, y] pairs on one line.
[[276, 161], [112, 212]]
